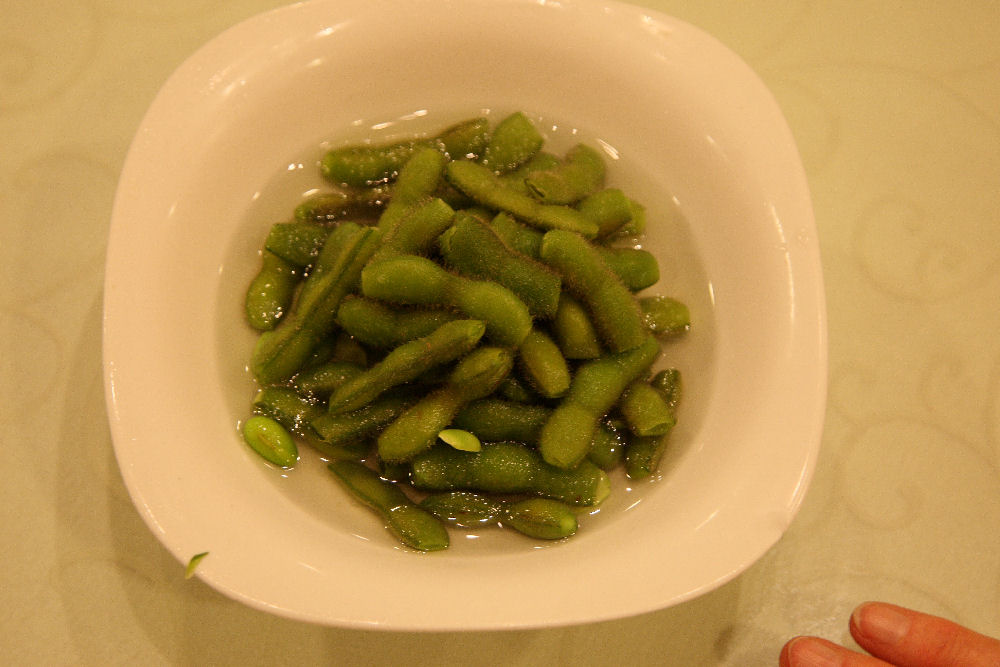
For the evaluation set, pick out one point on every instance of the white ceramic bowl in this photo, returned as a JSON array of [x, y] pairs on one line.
[[226, 149]]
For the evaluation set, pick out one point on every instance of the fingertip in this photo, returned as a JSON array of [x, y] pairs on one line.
[[879, 622]]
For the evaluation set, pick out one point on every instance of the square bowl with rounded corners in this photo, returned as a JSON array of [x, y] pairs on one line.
[[230, 145]]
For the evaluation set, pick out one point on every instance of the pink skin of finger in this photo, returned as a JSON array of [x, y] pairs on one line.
[[898, 637]]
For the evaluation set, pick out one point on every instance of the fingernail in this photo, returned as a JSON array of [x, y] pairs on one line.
[[881, 622], [811, 652]]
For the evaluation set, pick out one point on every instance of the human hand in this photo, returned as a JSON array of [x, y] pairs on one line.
[[896, 636]]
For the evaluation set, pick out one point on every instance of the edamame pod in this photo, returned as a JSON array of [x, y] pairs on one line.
[[574, 332], [463, 508], [280, 353], [406, 362], [668, 383], [610, 209], [379, 325], [643, 453], [329, 207], [608, 448], [645, 411], [416, 231], [473, 249], [466, 140], [287, 407], [271, 292], [298, 243], [579, 175], [507, 467], [418, 179], [270, 439], [344, 429], [665, 316], [486, 188], [416, 430], [518, 237], [320, 381], [416, 280], [543, 364], [538, 162], [541, 518], [414, 526], [366, 165], [611, 306], [637, 268], [514, 141], [495, 420], [597, 385]]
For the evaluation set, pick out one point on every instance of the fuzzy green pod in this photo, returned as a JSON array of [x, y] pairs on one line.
[[597, 385], [611, 306], [419, 281], [476, 376], [407, 362], [411, 524], [474, 249]]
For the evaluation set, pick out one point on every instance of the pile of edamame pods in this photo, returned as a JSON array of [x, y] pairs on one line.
[[455, 328]]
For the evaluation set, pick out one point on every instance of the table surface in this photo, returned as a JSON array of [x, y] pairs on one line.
[[896, 110]]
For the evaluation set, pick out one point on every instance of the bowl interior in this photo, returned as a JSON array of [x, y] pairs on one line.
[[229, 147]]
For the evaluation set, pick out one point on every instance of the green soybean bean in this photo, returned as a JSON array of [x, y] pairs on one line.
[[298, 243], [508, 467], [473, 249], [270, 439], [320, 381], [597, 385], [494, 420], [271, 292], [665, 316], [611, 306], [380, 325], [328, 207], [637, 268], [419, 281], [464, 508], [476, 376], [407, 362], [342, 430], [280, 353], [486, 189], [543, 364], [574, 331], [645, 410], [578, 176], [541, 518], [413, 526], [609, 208], [513, 142]]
